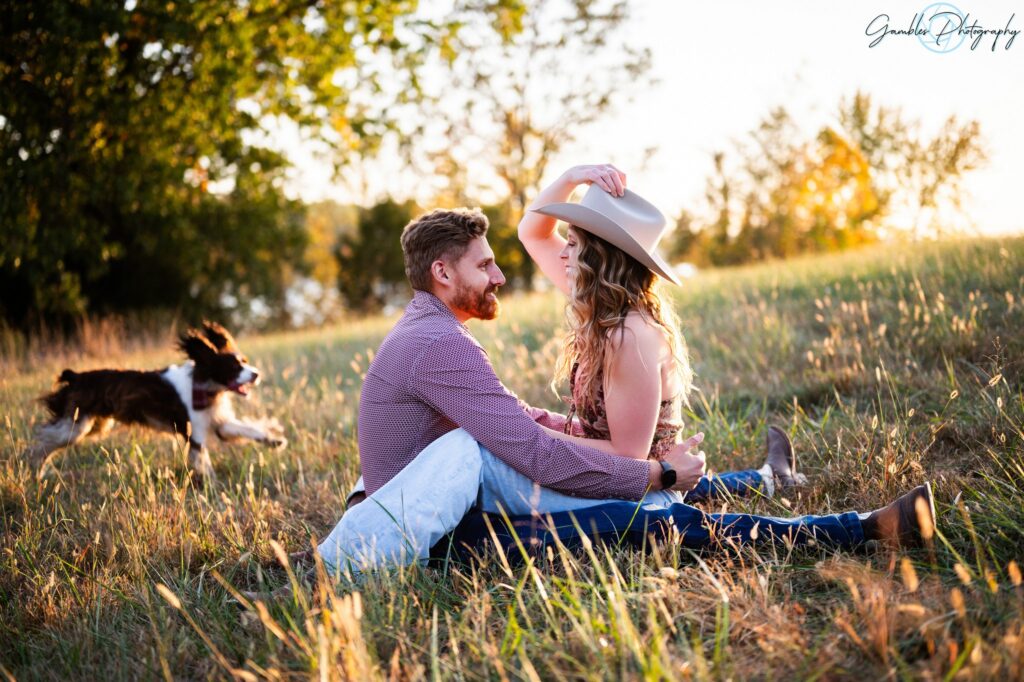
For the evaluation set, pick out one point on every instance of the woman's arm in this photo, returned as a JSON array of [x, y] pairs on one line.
[[632, 392], [631, 421], [602, 445], [537, 231]]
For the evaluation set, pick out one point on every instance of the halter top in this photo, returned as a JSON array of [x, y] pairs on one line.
[[594, 421]]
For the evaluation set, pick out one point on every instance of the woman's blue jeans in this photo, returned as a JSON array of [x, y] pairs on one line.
[[516, 509]]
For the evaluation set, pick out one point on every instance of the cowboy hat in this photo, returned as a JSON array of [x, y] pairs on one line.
[[629, 222]]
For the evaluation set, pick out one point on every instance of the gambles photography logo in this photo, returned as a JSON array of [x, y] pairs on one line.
[[942, 27]]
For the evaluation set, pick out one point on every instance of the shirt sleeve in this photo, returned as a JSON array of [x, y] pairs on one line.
[[454, 376], [552, 420]]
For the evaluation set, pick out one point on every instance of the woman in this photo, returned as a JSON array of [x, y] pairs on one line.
[[624, 356]]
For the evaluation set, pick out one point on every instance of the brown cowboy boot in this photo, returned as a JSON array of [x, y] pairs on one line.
[[907, 521], [782, 460]]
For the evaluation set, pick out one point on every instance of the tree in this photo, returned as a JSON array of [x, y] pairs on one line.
[[787, 194], [925, 175], [511, 102], [132, 168], [370, 262], [327, 223]]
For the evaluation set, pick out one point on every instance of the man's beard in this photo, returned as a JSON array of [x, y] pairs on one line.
[[476, 304]]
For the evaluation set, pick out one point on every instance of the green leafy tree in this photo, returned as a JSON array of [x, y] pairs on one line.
[[133, 170], [327, 223], [371, 268]]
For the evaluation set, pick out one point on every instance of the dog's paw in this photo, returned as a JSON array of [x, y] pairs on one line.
[[201, 468], [202, 479], [36, 457], [276, 442], [46, 469], [275, 434]]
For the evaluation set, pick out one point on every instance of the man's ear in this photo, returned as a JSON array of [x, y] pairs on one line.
[[441, 274]]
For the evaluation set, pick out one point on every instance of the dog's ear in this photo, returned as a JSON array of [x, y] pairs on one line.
[[195, 345], [219, 336]]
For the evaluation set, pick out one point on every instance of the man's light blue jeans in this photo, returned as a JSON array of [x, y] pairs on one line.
[[430, 498]]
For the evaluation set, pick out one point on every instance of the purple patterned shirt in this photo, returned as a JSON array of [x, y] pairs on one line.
[[431, 376]]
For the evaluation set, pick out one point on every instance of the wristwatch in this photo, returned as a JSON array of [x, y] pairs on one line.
[[668, 475]]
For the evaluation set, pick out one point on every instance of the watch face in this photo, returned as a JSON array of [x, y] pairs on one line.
[[668, 478]]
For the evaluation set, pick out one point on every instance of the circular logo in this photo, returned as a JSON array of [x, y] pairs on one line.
[[942, 21]]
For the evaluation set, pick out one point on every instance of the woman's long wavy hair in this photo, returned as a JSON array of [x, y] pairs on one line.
[[609, 284]]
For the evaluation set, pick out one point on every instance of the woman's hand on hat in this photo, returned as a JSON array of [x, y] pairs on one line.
[[606, 176]]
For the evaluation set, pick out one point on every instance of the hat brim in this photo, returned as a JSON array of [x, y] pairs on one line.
[[586, 218]]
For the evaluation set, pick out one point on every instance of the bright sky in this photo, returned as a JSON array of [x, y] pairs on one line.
[[722, 66]]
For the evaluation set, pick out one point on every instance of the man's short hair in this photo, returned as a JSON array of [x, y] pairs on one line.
[[438, 235]]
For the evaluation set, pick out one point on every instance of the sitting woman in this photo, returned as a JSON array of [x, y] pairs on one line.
[[625, 357]]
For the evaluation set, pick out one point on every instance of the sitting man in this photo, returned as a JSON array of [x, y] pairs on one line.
[[439, 434]]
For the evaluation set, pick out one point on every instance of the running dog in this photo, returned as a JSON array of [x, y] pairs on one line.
[[191, 400]]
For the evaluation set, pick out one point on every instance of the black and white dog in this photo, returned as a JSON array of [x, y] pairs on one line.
[[191, 400]]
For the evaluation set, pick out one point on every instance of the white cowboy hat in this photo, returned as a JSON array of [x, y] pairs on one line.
[[629, 222]]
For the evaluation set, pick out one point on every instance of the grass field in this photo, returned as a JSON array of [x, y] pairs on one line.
[[888, 367]]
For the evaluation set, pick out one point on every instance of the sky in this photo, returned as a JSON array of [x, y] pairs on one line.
[[722, 66]]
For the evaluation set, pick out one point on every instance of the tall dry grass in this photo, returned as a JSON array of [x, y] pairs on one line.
[[886, 368]]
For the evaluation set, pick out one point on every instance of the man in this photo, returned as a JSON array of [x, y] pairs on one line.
[[439, 434]]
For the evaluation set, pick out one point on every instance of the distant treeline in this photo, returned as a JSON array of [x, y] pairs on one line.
[[778, 193], [131, 178]]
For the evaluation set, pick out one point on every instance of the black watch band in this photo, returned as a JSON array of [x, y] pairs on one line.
[[668, 475]]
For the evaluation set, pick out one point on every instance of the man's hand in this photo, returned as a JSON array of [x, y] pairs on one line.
[[688, 462]]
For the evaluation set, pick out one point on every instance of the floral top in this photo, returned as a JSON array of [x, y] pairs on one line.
[[594, 423]]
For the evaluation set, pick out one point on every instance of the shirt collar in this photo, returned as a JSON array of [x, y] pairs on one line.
[[425, 299]]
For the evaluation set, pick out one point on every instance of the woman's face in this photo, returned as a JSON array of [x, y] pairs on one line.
[[570, 253]]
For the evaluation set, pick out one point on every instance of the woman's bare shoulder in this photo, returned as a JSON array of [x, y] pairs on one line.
[[639, 331]]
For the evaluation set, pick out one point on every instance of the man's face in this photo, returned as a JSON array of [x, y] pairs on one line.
[[477, 278]]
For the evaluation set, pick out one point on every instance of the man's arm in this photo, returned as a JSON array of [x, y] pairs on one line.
[[455, 377]]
